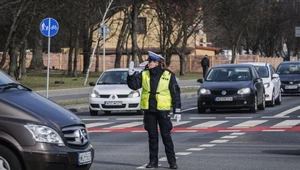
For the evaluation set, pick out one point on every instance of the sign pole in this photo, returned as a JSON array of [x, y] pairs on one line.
[[104, 36], [49, 27], [48, 59]]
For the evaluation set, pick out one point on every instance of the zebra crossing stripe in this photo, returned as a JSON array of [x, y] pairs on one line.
[[208, 124], [286, 124], [89, 125], [250, 123], [126, 125]]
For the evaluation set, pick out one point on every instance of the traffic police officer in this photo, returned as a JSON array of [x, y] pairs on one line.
[[160, 93]]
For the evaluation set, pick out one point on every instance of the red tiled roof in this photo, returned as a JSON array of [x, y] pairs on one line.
[[208, 48]]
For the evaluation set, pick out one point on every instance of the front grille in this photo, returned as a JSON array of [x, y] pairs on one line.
[[219, 92], [104, 96], [113, 107], [122, 95], [95, 105], [288, 82], [133, 105], [76, 135], [224, 103]]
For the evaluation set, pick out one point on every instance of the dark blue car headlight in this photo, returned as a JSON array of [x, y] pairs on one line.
[[242, 91]]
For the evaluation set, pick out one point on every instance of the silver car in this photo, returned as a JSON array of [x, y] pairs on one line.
[[111, 93]]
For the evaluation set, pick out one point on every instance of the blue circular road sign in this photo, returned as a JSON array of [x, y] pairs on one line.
[[49, 27]]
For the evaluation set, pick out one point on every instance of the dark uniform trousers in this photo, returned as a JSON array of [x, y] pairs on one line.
[[204, 71], [151, 119]]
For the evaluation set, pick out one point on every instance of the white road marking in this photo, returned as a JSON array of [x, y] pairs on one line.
[[201, 118], [126, 125], [180, 123], [207, 145], [229, 130], [185, 131], [228, 137], [238, 117], [97, 131], [219, 141], [195, 149], [286, 123], [250, 123], [95, 119], [208, 124], [287, 112], [193, 108], [131, 118], [90, 125], [183, 153], [272, 117], [274, 130], [238, 134], [165, 159]]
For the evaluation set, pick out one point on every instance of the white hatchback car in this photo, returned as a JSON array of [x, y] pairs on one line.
[[271, 81], [111, 93]]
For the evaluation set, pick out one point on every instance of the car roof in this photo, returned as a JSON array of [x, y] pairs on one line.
[[123, 69], [290, 62], [233, 65], [257, 63]]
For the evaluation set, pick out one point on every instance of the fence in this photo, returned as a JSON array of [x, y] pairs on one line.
[[192, 62]]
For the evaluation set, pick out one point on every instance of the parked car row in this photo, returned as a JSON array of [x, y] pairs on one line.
[[247, 86]]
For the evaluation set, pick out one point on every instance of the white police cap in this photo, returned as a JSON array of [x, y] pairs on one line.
[[154, 56]]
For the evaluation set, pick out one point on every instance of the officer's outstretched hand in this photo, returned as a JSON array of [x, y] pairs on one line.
[[177, 115], [131, 68]]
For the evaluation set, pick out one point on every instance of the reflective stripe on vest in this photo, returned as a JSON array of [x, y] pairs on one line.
[[163, 96]]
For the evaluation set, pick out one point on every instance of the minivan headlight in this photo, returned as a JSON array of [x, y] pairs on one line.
[[44, 134], [246, 90], [95, 94], [204, 91], [134, 94]]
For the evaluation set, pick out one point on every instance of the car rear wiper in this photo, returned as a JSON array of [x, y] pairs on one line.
[[12, 85]]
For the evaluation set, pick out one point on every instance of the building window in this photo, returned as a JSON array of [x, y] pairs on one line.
[[141, 25]]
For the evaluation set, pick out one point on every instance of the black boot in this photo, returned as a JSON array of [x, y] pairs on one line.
[[152, 164], [173, 165]]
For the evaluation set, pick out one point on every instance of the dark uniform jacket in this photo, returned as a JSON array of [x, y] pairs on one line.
[[134, 82]]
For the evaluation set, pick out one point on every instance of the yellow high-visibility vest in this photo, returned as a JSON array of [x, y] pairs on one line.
[[163, 95]]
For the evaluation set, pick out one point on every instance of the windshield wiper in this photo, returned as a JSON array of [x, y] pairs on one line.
[[12, 85]]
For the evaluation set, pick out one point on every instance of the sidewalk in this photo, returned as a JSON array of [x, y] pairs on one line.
[[68, 94]]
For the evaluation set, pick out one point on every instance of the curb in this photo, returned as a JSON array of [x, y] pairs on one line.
[[85, 107]]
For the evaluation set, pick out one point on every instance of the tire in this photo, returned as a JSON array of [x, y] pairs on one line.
[[278, 99], [201, 110], [262, 106], [93, 112], [254, 108], [8, 160], [272, 103]]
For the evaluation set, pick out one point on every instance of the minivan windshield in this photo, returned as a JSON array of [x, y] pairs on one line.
[[229, 74], [5, 79], [113, 77], [288, 68]]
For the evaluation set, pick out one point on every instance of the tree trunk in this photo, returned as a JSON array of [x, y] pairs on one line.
[[97, 60], [13, 54], [121, 41], [37, 54], [182, 64], [22, 61], [233, 54], [134, 16], [70, 56], [87, 49]]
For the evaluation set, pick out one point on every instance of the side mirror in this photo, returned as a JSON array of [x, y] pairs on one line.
[[258, 80], [275, 76], [200, 80], [92, 84]]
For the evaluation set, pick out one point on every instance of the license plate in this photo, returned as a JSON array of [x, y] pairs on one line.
[[84, 158], [113, 103], [291, 87], [219, 99]]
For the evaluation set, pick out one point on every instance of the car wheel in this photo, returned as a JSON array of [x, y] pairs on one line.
[[254, 109], [107, 112], [272, 103], [8, 160], [278, 99], [140, 112], [262, 106], [201, 110], [93, 112]]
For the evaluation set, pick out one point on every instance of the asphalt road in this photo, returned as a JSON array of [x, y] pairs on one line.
[[227, 140]]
